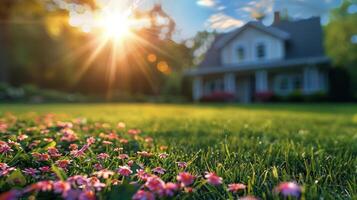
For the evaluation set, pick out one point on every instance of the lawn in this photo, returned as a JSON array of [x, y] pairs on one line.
[[259, 146]]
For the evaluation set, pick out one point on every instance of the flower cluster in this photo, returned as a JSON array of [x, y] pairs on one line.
[[85, 161]]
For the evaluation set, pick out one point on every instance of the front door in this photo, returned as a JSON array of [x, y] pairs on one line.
[[244, 90]]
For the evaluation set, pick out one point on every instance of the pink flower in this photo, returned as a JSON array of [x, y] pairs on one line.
[[121, 125], [61, 187], [170, 189], [142, 175], [181, 164], [41, 156], [163, 155], [3, 166], [98, 166], [22, 137], [249, 198], [47, 139], [90, 140], [103, 156], [123, 156], [213, 179], [5, 148], [87, 195], [5, 169], [95, 183], [149, 139], [287, 189], [68, 135], [12, 143], [3, 127], [73, 147], [45, 169], [189, 189], [53, 151], [34, 144], [125, 170], [159, 170], [30, 171], [63, 163], [130, 163], [104, 173], [107, 142], [43, 186], [123, 141], [80, 153], [235, 187], [185, 178], [64, 124], [143, 195], [11, 195], [118, 149], [144, 154], [163, 148], [78, 180], [155, 184], [134, 132]]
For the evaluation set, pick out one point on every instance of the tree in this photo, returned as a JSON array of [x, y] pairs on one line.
[[338, 40], [339, 32], [5, 13]]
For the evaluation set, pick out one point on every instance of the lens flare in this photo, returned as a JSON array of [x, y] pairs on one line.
[[116, 25]]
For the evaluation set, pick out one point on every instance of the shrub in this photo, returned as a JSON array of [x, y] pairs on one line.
[[264, 96], [218, 97]]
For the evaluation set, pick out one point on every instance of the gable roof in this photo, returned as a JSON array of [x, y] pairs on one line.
[[256, 25], [304, 38]]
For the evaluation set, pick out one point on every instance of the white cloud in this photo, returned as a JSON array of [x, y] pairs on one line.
[[221, 21], [206, 3]]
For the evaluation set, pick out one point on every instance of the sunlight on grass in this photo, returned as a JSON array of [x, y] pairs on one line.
[[255, 145]]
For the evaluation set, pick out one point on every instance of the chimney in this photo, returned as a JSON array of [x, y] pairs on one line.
[[277, 17]]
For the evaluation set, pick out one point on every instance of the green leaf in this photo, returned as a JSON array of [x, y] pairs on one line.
[[125, 191], [59, 172], [16, 178], [51, 144]]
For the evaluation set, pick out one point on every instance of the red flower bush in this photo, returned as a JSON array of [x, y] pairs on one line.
[[218, 97]]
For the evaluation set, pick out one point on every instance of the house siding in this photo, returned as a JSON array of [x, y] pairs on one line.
[[249, 39]]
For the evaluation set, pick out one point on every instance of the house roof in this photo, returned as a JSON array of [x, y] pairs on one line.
[[252, 66], [304, 39], [275, 32]]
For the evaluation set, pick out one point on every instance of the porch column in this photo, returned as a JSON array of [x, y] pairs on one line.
[[197, 88], [230, 83], [311, 80], [261, 81]]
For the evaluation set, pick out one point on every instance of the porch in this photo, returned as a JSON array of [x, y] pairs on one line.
[[245, 85]]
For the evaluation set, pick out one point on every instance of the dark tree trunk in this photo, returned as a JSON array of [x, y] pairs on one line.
[[5, 54]]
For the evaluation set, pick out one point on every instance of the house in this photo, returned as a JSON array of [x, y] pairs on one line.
[[257, 60]]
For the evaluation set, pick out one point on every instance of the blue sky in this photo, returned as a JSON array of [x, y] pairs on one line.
[[195, 15]]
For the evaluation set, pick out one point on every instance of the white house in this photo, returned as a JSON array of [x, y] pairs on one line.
[[255, 59]]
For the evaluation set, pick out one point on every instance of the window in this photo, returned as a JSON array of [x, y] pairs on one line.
[[261, 50], [287, 83], [296, 82], [284, 84], [214, 85], [241, 53]]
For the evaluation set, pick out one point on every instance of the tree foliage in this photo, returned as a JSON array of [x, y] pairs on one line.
[[47, 52], [339, 32]]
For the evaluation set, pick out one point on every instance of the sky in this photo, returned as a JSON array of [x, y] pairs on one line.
[[192, 16], [222, 15]]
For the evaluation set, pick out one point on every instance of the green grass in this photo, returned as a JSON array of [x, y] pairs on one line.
[[260, 145]]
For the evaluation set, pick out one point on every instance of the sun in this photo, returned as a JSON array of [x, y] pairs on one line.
[[116, 25]]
